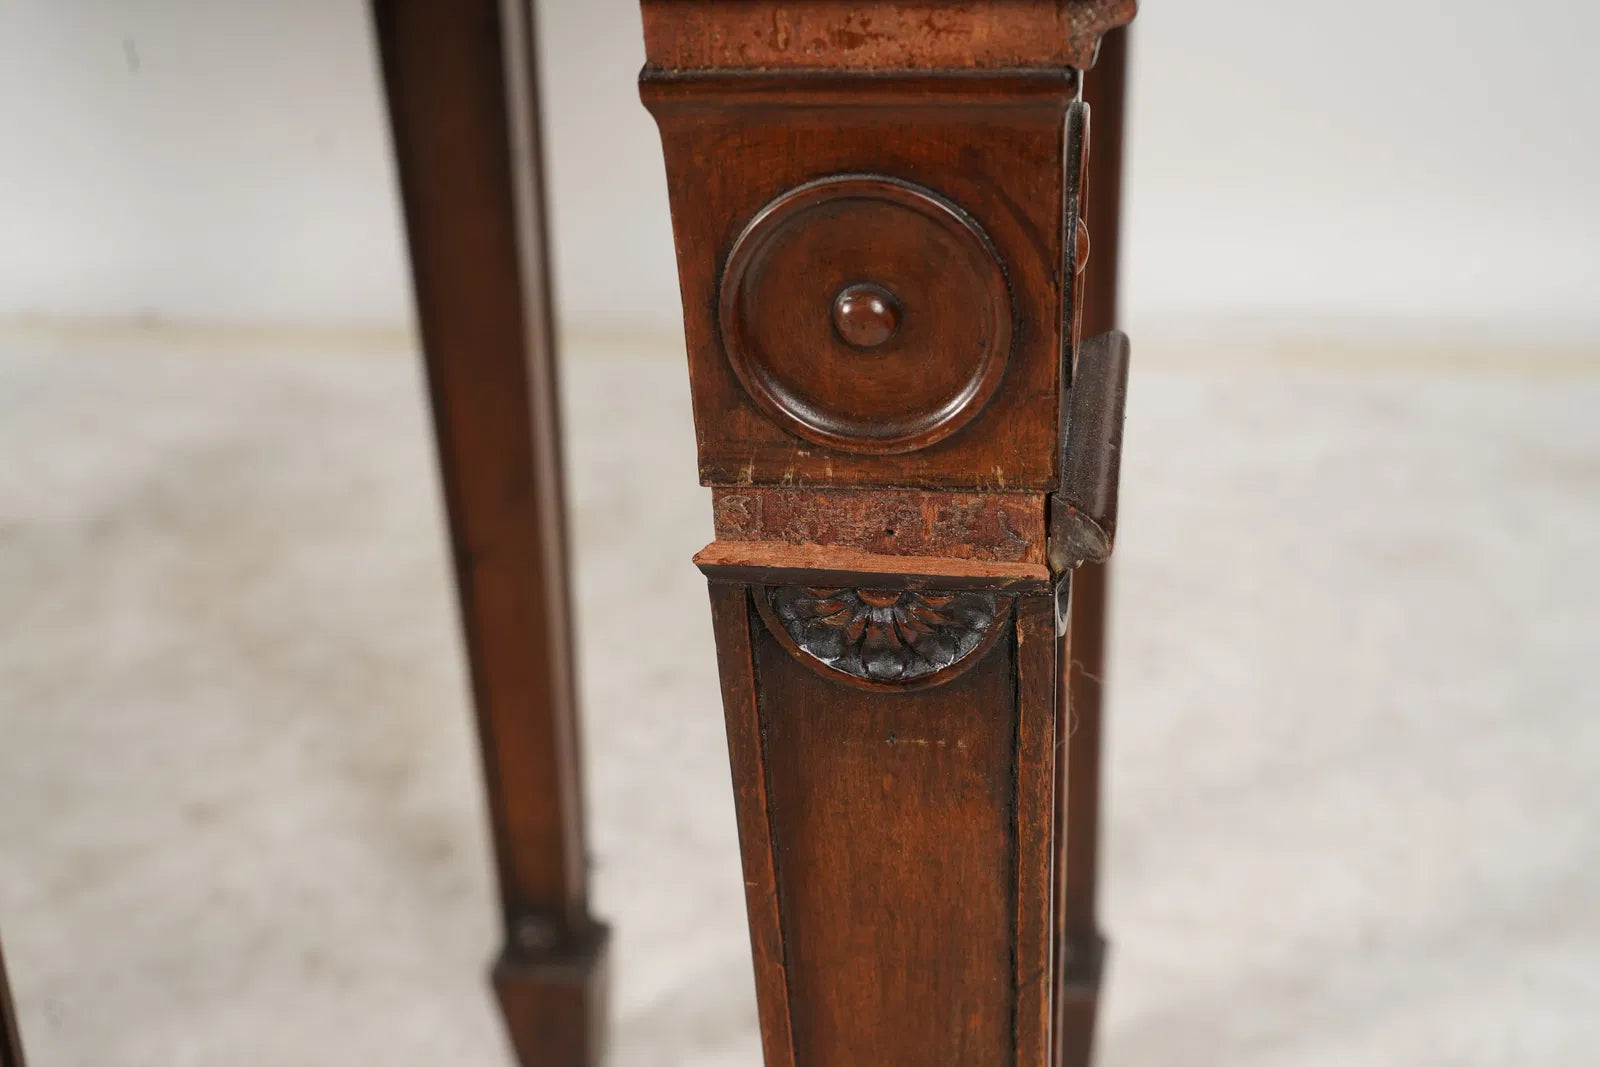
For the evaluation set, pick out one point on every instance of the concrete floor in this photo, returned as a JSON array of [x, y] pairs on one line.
[[1352, 813]]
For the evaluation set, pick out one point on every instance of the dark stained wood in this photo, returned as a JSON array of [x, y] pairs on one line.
[[1006, 527], [731, 618], [1081, 951], [461, 89], [856, 35], [876, 209], [1083, 512], [896, 863], [10, 1033], [554, 1000], [991, 146], [918, 371], [1078, 1002], [780, 563], [866, 315], [1038, 670], [897, 848]]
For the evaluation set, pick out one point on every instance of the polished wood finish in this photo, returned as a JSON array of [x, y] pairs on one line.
[[1082, 950], [879, 246], [891, 827], [10, 1033], [897, 844], [462, 97], [738, 144], [735, 633], [918, 369]]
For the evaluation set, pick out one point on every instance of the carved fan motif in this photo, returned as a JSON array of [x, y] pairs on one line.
[[885, 635]]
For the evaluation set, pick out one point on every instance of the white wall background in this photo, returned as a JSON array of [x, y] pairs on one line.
[[1370, 159]]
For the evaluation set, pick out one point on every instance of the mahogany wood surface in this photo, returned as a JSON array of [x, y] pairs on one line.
[[738, 144], [852, 35], [782, 562], [897, 845], [462, 98], [879, 245], [1081, 952], [895, 818], [735, 630]]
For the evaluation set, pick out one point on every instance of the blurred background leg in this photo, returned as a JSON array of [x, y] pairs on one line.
[[10, 1036], [463, 104], [1082, 951]]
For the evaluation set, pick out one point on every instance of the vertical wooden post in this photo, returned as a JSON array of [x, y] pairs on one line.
[[876, 210], [461, 86], [1083, 683]]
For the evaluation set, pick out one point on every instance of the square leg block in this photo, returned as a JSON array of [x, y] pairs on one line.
[[554, 1002]]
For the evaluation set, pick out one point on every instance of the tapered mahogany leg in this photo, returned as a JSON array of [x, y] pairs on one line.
[[1082, 946], [876, 207], [462, 98]]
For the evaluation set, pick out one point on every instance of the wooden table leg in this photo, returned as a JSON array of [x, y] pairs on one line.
[[1083, 946], [10, 1034], [876, 207], [462, 96]]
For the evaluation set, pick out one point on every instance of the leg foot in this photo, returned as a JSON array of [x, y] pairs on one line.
[[1078, 1002], [554, 1001]]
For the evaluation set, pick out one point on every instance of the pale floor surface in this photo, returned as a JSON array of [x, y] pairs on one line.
[[1352, 813]]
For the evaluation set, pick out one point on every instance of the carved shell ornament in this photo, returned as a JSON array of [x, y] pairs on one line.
[[885, 636]]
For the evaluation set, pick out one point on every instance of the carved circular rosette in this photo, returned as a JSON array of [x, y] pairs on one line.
[[867, 314], [884, 638]]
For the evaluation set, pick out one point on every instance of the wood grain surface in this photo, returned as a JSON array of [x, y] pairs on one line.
[[999, 527], [896, 863], [857, 35], [876, 211], [1081, 952], [781, 563], [462, 95], [991, 145]]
